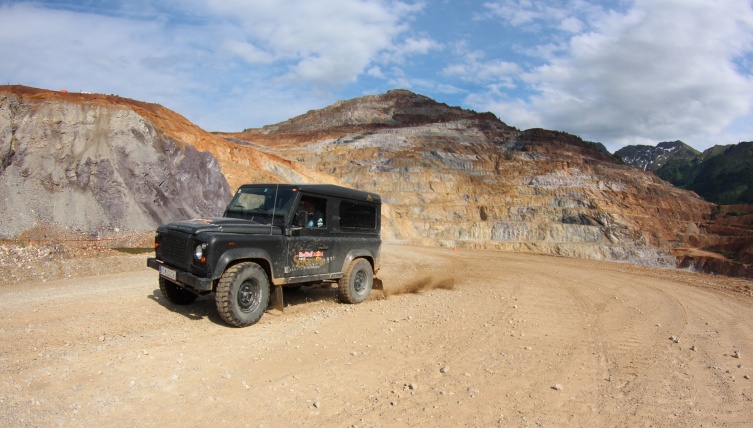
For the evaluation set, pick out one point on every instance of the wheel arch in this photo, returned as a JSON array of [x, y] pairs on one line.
[[360, 254], [233, 257]]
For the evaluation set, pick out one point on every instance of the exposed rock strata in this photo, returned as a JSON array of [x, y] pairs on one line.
[[448, 176], [92, 167], [457, 178], [722, 245]]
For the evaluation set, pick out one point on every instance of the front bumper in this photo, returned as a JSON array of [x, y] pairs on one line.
[[184, 279]]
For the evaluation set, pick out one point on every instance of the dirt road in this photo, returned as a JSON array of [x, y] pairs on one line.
[[466, 338]]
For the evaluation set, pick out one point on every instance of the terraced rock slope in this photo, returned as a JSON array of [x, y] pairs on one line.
[[91, 163], [454, 177]]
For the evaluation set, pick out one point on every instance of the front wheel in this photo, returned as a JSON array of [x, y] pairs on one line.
[[355, 285], [242, 294]]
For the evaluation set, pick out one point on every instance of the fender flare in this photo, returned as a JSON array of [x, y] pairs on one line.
[[361, 253], [231, 256]]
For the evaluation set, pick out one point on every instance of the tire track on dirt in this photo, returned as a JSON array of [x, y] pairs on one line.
[[512, 327], [650, 334]]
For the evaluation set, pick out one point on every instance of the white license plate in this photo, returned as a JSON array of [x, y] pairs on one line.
[[167, 273]]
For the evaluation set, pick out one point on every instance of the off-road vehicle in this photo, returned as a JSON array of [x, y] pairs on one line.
[[272, 236]]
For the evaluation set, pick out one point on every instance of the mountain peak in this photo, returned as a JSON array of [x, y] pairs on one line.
[[651, 158], [395, 108]]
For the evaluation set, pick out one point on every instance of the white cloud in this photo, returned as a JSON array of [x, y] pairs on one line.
[[80, 51], [479, 71], [185, 54], [475, 68], [323, 42], [248, 52], [567, 16], [665, 69], [411, 46], [513, 111], [375, 72]]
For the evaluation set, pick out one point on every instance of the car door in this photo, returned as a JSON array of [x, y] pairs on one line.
[[310, 244]]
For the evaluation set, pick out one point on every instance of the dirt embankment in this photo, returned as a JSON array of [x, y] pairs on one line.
[[463, 338]]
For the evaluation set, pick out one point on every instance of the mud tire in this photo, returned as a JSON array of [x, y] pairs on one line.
[[175, 293], [355, 285], [242, 294]]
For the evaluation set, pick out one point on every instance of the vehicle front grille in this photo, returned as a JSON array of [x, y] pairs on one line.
[[175, 249]]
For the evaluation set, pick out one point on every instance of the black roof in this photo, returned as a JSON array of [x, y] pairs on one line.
[[325, 190]]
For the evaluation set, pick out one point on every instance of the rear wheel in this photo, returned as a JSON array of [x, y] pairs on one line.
[[242, 294], [355, 285], [175, 293]]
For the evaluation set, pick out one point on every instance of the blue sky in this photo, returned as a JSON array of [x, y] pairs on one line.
[[617, 72]]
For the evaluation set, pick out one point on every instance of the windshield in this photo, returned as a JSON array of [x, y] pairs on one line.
[[261, 204]]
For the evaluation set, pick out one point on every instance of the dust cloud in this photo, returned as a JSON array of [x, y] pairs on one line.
[[421, 284]]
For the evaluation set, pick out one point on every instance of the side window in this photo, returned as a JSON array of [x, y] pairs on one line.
[[355, 216], [312, 212]]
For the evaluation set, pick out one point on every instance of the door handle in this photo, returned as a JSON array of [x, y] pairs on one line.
[[324, 247]]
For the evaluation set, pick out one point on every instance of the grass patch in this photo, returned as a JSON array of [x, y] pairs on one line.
[[136, 250]]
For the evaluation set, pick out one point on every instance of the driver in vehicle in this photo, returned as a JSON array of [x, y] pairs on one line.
[[315, 217]]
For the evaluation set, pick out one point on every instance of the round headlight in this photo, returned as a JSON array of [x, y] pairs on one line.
[[199, 251]]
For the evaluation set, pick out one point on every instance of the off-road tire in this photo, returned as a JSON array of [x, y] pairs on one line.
[[355, 285], [175, 293], [242, 294]]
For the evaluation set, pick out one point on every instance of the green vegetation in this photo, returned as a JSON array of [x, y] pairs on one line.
[[721, 174], [727, 178], [134, 250], [680, 172]]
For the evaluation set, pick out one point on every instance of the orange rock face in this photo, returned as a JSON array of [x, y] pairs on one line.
[[461, 179]]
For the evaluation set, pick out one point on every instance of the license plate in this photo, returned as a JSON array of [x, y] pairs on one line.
[[167, 273]]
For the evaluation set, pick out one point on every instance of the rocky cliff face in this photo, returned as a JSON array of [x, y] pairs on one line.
[[96, 165], [457, 178], [75, 163], [723, 244]]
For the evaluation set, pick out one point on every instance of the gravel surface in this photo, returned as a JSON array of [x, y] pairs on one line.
[[459, 338]]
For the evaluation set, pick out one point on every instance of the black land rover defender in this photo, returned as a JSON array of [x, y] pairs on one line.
[[270, 236]]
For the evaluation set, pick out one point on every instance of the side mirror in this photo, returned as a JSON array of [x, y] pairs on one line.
[[301, 218]]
